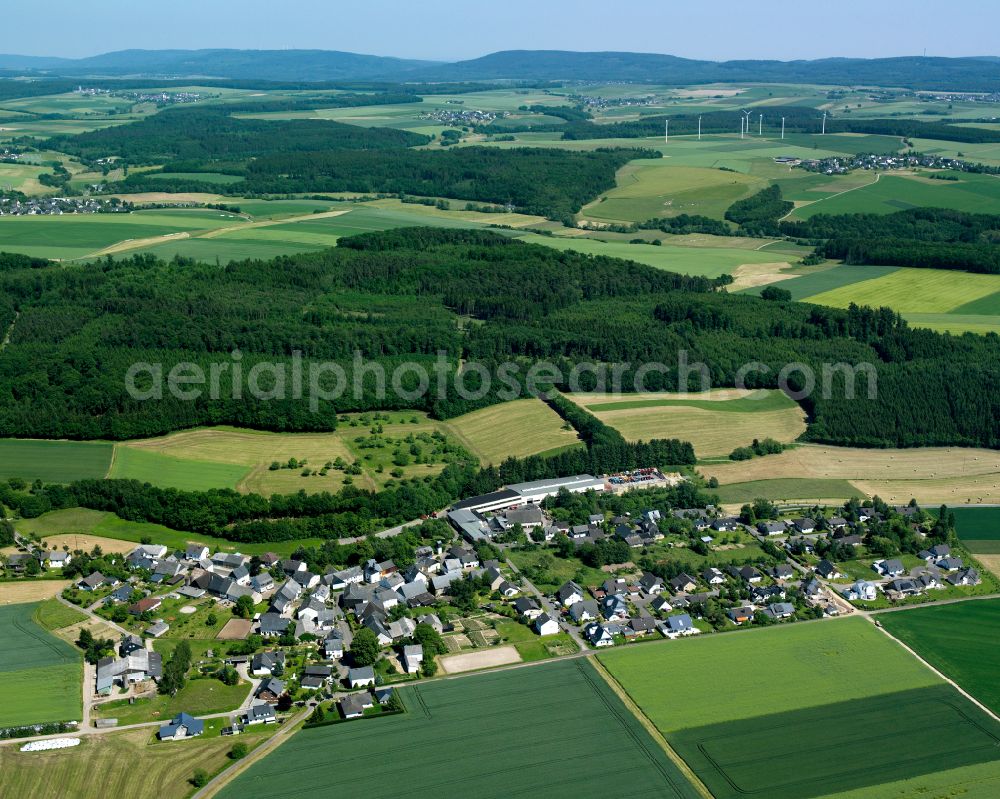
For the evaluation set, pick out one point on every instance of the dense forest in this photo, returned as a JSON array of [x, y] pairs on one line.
[[798, 119], [937, 238], [406, 295], [213, 134]]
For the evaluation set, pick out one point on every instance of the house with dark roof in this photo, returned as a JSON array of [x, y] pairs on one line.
[[269, 690], [182, 725], [361, 676], [679, 625]]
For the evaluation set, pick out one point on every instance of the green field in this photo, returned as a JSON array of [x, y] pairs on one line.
[[41, 674], [167, 471], [54, 461], [810, 709], [977, 524], [648, 189], [973, 193], [940, 299], [555, 730], [703, 261], [961, 640]]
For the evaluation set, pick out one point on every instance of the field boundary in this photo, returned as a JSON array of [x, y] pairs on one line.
[[650, 728]]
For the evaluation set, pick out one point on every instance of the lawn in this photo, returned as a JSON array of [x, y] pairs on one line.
[[550, 730], [124, 764], [513, 429], [54, 615], [547, 572], [961, 640], [202, 697], [54, 461], [530, 645], [715, 422], [41, 674], [809, 710], [977, 524]]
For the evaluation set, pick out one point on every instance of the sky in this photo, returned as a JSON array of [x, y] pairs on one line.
[[447, 30]]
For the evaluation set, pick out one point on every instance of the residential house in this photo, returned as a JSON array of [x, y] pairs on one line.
[[264, 664], [614, 607], [771, 527], [353, 706], [181, 726], [269, 690], [804, 526], [587, 610], [892, 567], [546, 625], [679, 625], [526, 607], [598, 635], [570, 594], [145, 605], [195, 552], [95, 580], [862, 591], [361, 676], [780, 610], [650, 583], [315, 677], [683, 582], [741, 614], [782, 571], [713, 576], [333, 647], [261, 713], [413, 657], [828, 570], [966, 576]]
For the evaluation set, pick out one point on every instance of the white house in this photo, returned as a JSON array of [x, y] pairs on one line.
[[413, 656], [546, 625]]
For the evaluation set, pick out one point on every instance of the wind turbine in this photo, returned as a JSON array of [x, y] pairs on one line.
[[760, 125], [699, 128], [747, 115], [666, 131], [782, 128], [824, 123]]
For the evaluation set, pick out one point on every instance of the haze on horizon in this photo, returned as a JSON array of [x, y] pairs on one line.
[[438, 30]]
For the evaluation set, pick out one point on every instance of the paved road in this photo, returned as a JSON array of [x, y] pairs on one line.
[[384, 533]]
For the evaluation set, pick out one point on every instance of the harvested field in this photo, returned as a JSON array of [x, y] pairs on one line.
[[482, 659], [715, 422], [235, 630], [17, 593], [931, 474]]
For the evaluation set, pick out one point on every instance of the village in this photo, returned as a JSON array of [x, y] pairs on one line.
[[480, 590]]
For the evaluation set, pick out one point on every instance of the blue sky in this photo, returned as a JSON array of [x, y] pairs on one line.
[[450, 30]]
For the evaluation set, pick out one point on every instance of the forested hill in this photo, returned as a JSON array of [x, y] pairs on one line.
[[955, 74], [969, 74], [405, 295]]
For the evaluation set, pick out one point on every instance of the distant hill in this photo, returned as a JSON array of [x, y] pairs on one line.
[[969, 74], [282, 65], [980, 73]]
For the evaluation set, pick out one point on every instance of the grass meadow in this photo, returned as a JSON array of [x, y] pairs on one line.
[[550, 730], [40, 673], [54, 461], [514, 429], [820, 696]]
